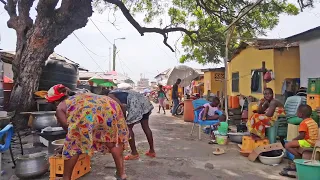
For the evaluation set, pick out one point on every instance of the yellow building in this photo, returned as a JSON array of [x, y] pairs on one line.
[[280, 57], [213, 80]]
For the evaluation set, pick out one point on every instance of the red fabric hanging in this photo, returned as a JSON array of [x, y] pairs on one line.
[[267, 76]]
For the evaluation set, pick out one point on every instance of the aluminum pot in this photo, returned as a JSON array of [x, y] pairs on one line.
[[55, 144], [237, 137], [43, 119], [31, 166]]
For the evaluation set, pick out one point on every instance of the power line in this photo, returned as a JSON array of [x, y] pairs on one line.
[[124, 63], [121, 66], [86, 49], [163, 50], [100, 31]]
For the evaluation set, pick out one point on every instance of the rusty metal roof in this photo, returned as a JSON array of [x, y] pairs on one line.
[[262, 44], [8, 56]]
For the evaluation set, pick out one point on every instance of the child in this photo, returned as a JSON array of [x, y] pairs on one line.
[[308, 135], [209, 111], [308, 132], [161, 98]]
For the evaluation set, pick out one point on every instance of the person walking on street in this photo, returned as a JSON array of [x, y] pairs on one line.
[[139, 109], [161, 97], [175, 96]]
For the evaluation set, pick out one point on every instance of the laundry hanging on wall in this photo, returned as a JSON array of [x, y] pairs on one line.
[[255, 81]]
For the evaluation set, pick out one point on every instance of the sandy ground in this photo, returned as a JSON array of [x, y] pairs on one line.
[[179, 157]]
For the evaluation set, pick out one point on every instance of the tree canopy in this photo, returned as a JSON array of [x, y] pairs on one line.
[[204, 23]]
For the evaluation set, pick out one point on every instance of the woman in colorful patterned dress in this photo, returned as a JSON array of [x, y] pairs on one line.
[[93, 123], [268, 112], [139, 109]]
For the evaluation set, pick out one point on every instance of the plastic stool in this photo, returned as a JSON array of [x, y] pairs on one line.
[[81, 168], [8, 131], [249, 144], [279, 128]]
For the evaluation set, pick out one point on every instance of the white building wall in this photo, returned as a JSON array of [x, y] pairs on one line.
[[309, 60]]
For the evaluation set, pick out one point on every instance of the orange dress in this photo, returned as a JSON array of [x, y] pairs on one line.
[[258, 122]]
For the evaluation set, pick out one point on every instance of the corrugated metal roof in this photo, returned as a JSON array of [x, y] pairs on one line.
[[163, 73], [262, 44], [220, 69], [306, 35], [9, 55]]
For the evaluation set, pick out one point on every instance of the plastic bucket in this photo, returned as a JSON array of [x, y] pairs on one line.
[[222, 140], [307, 171]]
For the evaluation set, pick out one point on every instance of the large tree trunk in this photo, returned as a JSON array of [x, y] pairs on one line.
[[36, 41], [27, 80]]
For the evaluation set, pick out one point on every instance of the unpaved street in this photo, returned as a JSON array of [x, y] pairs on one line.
[[179, 157]]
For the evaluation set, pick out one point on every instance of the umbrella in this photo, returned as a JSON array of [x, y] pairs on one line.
[[116, 77], [146, 91], [185, 73], [124, 86], [163, 82], [100, 78], [107, 84]]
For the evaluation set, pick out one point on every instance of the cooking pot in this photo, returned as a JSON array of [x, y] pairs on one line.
[[31, 166], [43, 119], [54, 145], [242, 127], [237, 137]]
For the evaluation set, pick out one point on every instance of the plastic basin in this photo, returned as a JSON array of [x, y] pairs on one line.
[[271, 160], [307, 171]]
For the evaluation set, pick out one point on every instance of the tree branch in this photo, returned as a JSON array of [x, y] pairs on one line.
[[46, 7], [10, 7], [3, 2], [142, 30]]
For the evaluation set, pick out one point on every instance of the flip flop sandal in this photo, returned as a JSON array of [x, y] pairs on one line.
[[289, 169], [218, 151], [212, 142], [152, 155], [131, 157], [286, 174]]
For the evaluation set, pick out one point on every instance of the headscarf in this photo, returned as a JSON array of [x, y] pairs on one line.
[[54, 94]]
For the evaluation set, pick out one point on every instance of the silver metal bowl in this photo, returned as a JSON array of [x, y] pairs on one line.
[[237, 137]]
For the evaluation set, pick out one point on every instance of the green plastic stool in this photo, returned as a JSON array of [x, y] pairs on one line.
[[279, 128]]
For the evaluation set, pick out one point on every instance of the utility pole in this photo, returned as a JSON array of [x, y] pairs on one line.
[[114, 57], [115, 53]]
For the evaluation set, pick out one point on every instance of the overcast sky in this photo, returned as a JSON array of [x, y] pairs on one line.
[[139, 54]]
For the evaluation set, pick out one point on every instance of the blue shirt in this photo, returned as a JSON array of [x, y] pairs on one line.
[[122, 96]]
